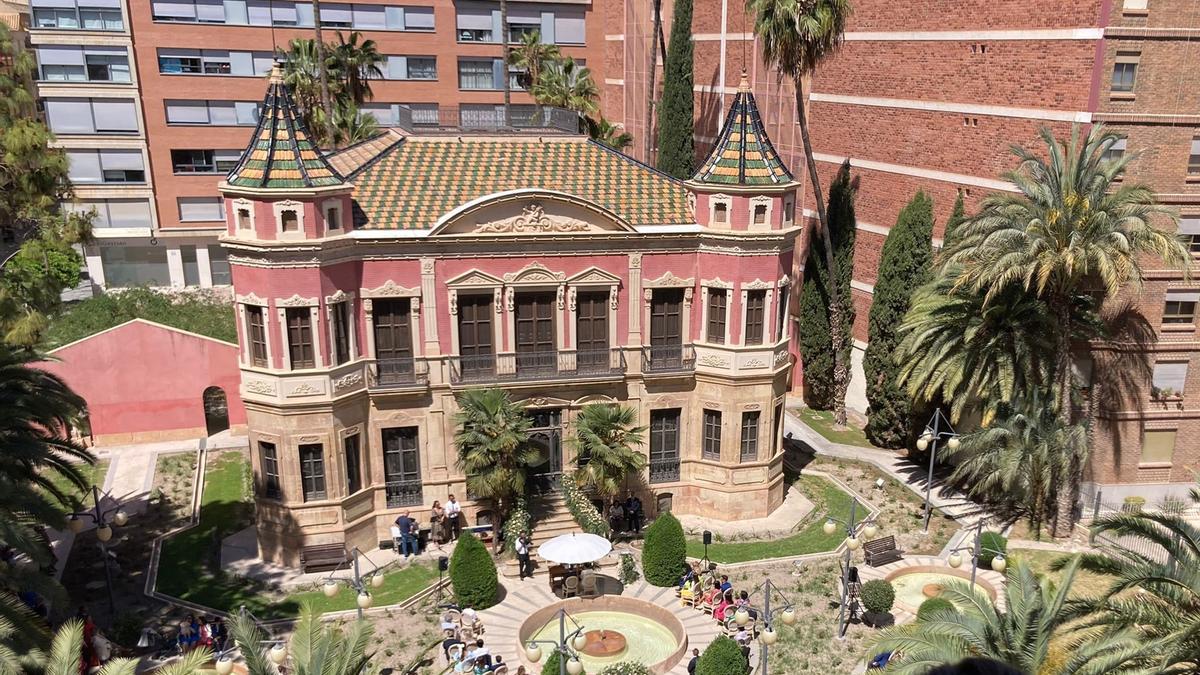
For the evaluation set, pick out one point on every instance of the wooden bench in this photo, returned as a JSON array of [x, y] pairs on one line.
[[320, 557], [881, 551]]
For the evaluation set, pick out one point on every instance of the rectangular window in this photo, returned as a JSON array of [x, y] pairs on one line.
[[782, 311], [591, 330], [257, 329], [1115, 151], [760, 214], [1169, 378], [475, 333], [91, 116], [312, 471], [422, 68], [720, 213], [200, 209], [353, 464], [418, 18], [107, 67], [750, 436], [1180, 308], [474, 23], [1189, 231], [1193, 243], [125, 266], [341, 332], [204, 161], [270, 470], [218, 262], [1193, 167], [666, 317], [664, 445], [777, 425], [717, 305], [476, 74], [215, 113], [56, 17], [289, 220], [333, 218], [299, 331], [92, 18], [755, 306], [711, 445], [1158, 446], [1124, 74], [402, 467], [535, 330]]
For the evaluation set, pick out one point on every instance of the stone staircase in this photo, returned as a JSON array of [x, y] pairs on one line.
[[550, 519]]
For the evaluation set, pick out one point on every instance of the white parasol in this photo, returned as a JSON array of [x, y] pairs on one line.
[[575, 548]]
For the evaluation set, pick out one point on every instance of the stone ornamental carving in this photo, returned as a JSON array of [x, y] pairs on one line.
[[669, 280], [756, 285], [717, 283], [252, 299], [785, 280], [347, 380], [752, 406], [304, 389], [648, 294], [594, 275], [713, 405], [534, 219], [339, 296], [309, 439], [687, 295], [713, 361], [534, 273], [781, 356], [560, 297], [296, 301], [635, 261], [691, 202], [572, 299], [453, 302], [612, 298], [754, 363], [426, 265], [509, 300], [260, 387], [390, 289]]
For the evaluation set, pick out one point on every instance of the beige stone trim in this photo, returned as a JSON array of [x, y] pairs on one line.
[[337, 204], [239, 204], [533, 274], [635, 297], [705, 286], [428, 266], [754, 203], [474, 279], [390, 289], [288, 205], [727, 201], [295, 302], [338, 298], [252, 299], [669, 280]]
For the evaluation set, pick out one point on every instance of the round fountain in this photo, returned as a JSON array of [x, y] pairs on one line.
[[914, 585], [615, 629]]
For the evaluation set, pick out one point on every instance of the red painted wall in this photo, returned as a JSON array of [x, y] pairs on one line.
[[144, 381]]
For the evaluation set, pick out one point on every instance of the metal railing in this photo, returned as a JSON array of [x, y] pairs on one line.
[[664, 470], [404, 493], [533, 366], [398, 373], [668, 358], [487, 118]]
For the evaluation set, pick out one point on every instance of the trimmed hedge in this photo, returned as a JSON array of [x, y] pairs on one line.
[[626, 668], [988, 543], [473, 574], [664, 557], [629, 572], [878, 596], [933, 606], [722, 657]]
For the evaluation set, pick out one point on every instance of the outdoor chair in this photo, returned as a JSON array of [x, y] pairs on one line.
[[570, 586], [501, 669], [587, 584], [455, 651]]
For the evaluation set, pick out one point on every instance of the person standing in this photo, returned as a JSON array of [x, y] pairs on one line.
[[453, 513], [405, 524], [525, 567], [695, 660], [437, 523]]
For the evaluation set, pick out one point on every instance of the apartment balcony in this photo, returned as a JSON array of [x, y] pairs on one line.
[[402, 373], [669, 359], [537, 366]]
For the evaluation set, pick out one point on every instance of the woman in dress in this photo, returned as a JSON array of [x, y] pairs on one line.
[[437, 523], [721, 609]]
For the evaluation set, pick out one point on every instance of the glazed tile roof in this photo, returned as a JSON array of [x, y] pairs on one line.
[[419, 180], [743, 154], [281, 154], [348, 160]]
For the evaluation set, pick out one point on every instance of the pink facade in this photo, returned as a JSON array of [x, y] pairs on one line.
[[144, 381]]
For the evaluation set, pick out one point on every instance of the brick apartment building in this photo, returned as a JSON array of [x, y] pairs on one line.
[[928, 95], [155, 99]]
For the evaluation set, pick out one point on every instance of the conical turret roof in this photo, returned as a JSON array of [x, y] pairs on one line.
[[743, 154], [281, 154]]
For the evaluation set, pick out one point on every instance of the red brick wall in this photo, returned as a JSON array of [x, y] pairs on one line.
[[930, 15]]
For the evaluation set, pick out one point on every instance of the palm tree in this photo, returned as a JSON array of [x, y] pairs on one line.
[[566, 84], [504, 58], [796, 36], [353, 126], [1154, 562], [493, 448], [67, 649], [357, 64], [606, 443], [972, 355], [606, 132], [301, 64], [1032, 636], [315, 648], [322, 65], [530, 57], [1015, 463], [1069, 227]]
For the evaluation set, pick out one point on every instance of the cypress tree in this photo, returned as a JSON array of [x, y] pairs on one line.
[[904, 266], [676, 148], [816, 348]]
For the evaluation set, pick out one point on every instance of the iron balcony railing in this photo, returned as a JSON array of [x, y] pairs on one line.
[[669, 358], [664, 470], [399, 373], [490, 118], [532, 366], [404, 493]]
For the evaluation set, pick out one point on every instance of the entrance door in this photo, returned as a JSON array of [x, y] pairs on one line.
[[546, 436], [666, 328], [216, 411], [535, 333], [475, 335], [591, 330]]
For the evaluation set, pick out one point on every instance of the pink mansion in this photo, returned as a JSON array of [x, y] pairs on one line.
[[376, 283]]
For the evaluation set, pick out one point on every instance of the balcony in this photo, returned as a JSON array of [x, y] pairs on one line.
[[537, 366], [399, 373], [664, 470], [404, 493], [668, 359]]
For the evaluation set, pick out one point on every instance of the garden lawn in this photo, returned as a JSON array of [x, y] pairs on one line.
[[94, 474], [828, 499], [398, 586], [821, 421], [1087, 584]]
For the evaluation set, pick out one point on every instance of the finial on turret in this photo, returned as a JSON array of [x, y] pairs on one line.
[[276, 76], [744, 85]]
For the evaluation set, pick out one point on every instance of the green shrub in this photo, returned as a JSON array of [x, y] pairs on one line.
[[473, 574], [552, 667], [582, 509], [518, 521], [629, 571], [877, 596], [626, 668], [664, 555], [989, 543], [933, 606], [722, 657], [1133, 504], [203, 312]]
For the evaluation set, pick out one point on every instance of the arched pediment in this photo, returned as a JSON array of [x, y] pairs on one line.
[[529, 211]]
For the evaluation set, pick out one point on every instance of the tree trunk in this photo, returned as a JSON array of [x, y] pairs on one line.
[[504, 54], [841, 379], [657, 31], [323, 74], [1068, 488]]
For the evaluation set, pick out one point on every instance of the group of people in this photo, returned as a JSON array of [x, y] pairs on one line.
[[206, 631], [445, 524], [709, 592], [465, 652], [626, 516]]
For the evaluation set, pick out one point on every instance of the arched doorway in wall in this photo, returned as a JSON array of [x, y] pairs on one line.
[[216, 411]]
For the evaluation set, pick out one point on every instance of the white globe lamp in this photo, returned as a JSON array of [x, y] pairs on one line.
[[104, 533], [330, 588], [742, 617], [853, 543], [120, 518], [224, 665], [788, 616], [579, 642], [999, 563], [829, 527], [278, 654], [75, 524], [364, 600], [533, 652], [953, 443], [377, 580], [768, 636], [870, 530], [922, 444], [955, 560], [574, 667]]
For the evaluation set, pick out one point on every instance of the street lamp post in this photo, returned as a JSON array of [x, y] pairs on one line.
[[787, 614], [104, 532], [998, 561], [868, 528], [566, 666], [357, 582], [938, 429]]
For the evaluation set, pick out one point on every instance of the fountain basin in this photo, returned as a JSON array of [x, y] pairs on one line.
[[617, 629], [914, 585]]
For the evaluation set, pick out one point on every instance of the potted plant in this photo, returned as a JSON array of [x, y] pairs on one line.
[[877, 597], [1133, 504]]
